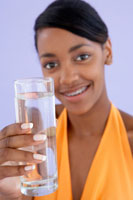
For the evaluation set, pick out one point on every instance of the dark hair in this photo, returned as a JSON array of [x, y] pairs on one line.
[[76, 16]]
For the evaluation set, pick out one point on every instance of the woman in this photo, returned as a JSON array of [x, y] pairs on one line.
[[94, 139]]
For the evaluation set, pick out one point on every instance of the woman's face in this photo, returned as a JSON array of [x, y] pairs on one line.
[[77, 66]]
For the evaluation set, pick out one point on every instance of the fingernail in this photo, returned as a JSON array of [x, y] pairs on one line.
[[29, 168], [27, 125], [39, 137], [39, 157]]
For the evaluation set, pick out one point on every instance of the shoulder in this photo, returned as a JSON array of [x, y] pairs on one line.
[[128, 122], [59, 108]]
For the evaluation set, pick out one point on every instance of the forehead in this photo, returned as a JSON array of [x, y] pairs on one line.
[[45, 33], [55, 37]]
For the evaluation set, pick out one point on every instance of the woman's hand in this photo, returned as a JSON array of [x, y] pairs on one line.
[[10, 188], [12, 138]]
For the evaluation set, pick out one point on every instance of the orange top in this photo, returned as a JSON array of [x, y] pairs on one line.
[[111, 174]]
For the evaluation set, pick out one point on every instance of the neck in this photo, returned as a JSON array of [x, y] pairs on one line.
[[91, 123]]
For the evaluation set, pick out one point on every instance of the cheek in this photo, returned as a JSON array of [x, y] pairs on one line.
[[93, 73], [55, 78], [45, 73], [99, 79], [98, 69], [99, 82], [56, 87]]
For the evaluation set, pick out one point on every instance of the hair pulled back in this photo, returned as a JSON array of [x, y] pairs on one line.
[[76, 16]]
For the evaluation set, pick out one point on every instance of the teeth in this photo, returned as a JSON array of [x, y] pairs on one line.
[[76, 92]]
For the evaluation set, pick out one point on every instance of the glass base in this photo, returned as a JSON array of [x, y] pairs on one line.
[[37, 189]]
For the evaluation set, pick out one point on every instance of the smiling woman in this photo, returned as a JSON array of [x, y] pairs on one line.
[[94, 138], [73, 46], [78, 70]]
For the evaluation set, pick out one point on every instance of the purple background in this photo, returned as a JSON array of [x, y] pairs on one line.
[[18, 57]]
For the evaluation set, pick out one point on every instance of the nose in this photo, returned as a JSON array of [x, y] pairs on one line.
[[69, 75]]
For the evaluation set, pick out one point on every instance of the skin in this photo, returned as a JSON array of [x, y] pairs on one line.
[[73, 66], [73, 62]]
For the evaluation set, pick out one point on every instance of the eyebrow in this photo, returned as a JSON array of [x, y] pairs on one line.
[[77, 47], [49, 55]]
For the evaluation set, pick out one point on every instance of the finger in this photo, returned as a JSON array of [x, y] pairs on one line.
[[51, 131], [22, 140], [10, 171], [16, 155], [15, 129]]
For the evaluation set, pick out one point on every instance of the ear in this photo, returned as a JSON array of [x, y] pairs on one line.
[[108, 52]]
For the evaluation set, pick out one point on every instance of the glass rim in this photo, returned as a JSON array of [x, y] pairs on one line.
[[33, 79]]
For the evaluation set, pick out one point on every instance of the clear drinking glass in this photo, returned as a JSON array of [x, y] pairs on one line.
[[35, 102]]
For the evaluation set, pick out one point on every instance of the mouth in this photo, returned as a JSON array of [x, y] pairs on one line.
[[76, 94]]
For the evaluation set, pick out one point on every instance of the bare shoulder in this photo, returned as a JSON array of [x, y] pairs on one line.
[[59, 109], [128, 122]]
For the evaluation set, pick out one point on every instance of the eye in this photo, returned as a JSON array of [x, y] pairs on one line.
[[82, 57], [50, 65]]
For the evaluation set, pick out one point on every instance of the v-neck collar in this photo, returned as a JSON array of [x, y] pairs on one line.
[[100, 165], [100, 153], [66, 171]]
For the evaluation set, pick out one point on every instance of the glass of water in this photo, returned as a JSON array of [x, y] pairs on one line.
[[35, 103]]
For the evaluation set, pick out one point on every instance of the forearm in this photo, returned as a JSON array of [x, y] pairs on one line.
[[27, 197]]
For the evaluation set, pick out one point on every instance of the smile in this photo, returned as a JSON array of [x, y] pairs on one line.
[[77, 92]]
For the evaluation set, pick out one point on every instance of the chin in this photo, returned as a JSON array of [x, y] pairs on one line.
[[79, 110], [81, 107]]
